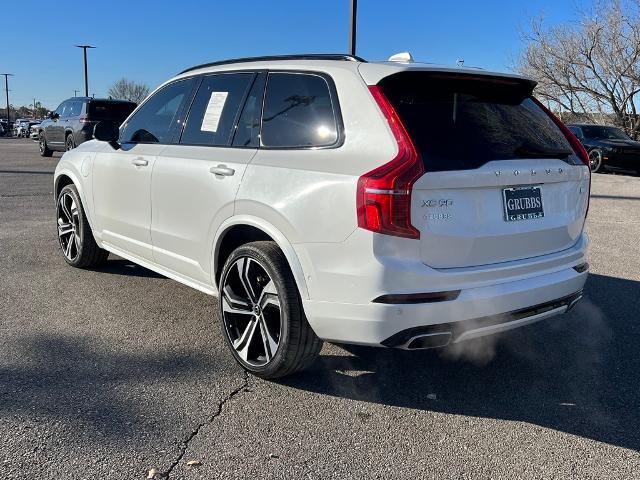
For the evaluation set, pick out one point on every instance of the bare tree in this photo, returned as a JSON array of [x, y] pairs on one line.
[[591, 68], [125, 89]]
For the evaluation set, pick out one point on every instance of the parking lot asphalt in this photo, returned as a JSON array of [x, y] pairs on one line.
[[111, 373]]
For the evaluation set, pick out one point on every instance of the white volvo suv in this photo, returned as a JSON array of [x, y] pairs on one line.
[[323, 197]]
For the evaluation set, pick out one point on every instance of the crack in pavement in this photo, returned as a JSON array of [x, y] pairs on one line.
[[15, 195], [192, 435]]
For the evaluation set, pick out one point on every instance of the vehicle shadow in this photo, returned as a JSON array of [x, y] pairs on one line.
[[90, 387], [119, 266], [578, 373]]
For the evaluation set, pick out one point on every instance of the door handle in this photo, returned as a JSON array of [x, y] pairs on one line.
[[140, 162], [222, 170]]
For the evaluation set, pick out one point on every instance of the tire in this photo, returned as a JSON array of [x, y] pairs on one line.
[[261, 313], [75, 237], [68, 142], [44, 148], [595, 160]]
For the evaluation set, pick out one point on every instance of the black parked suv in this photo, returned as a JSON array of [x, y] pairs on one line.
[[73, 121], [608, 147]]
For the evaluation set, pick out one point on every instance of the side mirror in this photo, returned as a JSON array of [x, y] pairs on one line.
[[107, 131]]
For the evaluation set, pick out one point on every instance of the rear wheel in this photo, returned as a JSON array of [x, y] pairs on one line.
[[74, 233], [42, 144], [262, 317], [595, 160], [69, 142]]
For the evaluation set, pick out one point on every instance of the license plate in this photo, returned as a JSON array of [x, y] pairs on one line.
[[522, 203]]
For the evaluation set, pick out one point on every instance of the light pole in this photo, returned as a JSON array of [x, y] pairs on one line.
[[352, 28], [86, 76], [6, 89]]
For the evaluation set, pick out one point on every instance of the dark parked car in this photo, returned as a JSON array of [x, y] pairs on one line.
[[6, 127], [608, 147], [73, 121]]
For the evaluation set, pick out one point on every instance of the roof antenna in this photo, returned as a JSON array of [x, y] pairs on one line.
[[401, 57]]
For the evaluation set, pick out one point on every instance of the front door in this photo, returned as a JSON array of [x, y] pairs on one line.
[[55, 130], [121, 192], [122, 176]]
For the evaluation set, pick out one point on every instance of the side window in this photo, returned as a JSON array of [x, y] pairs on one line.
[[157, 119], [215, 108], [577, 131], [61, 109], [298, 112], [248, 130], [74, 109]]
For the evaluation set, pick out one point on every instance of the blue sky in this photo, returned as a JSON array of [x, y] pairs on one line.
[[149, 41]]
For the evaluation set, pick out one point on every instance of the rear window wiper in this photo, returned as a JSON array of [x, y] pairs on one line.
[[534, 152]]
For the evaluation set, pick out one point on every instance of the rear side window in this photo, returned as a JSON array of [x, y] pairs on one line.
[[298, 112], [115, 111], [462, 122], [158, 118], [215, 109], [74, 109]]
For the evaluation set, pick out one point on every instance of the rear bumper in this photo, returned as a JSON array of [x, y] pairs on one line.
[[445, 333], [475, 312]]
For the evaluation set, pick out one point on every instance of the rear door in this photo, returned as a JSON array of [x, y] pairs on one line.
[[502, 182], [72, 118], [195, 181]]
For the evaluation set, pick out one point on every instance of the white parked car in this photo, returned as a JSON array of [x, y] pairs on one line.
[[323, 197], [34, 131], [21, 127]]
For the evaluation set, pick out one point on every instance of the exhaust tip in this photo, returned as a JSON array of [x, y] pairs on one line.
[[433, 340], [572, 302]]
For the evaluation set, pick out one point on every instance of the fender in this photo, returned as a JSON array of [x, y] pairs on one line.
[[74, 178], [273, 232]]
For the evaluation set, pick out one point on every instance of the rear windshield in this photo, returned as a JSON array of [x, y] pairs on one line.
[[461, 122], [116, 111]]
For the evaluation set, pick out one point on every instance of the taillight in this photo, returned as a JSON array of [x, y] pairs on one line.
[[384, 194], [84, 119], [577, 147]]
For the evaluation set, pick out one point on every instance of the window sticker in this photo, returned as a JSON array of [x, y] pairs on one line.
[[214, 111]]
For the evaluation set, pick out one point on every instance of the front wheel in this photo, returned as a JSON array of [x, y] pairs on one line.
[[74, 232], [595, 160], [42, 144], [263, 320]]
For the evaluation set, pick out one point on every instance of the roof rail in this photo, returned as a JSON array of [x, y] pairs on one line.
[[304, 56]]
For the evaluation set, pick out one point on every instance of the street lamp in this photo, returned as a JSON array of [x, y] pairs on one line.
[[6, 89], [352, 29], [86, 76]]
